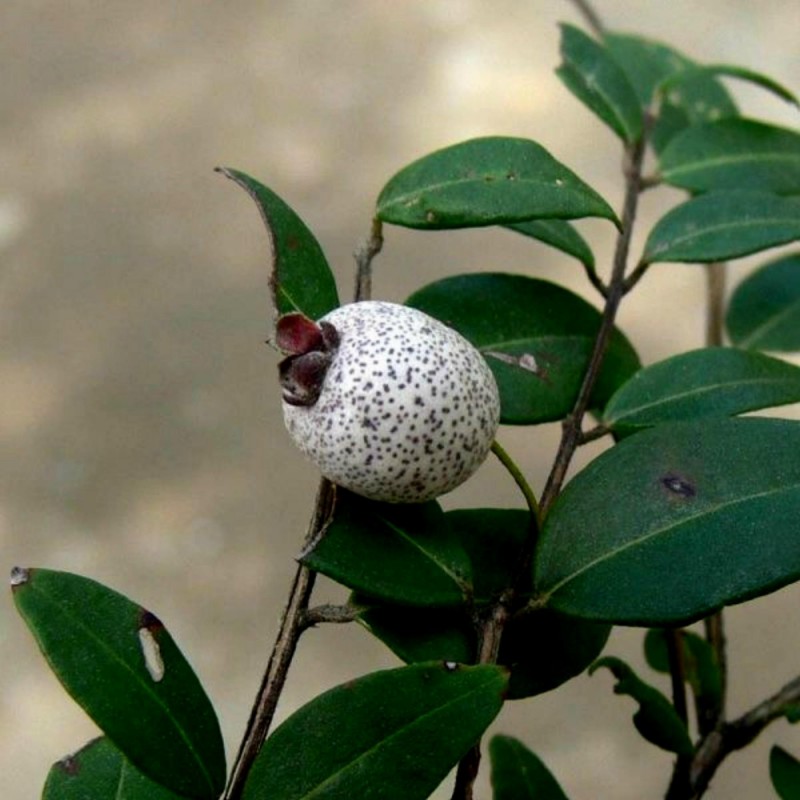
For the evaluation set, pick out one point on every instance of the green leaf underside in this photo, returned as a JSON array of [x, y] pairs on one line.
[[593, 76], [733, 154], [401, 553], [508, 317], [488, 181], [699, 661], [301, 278], [647, 63], [668, 525], [722, 225], [90, 636], [518, 774], [764, 311], [100, 772], [784, 771], [656, 720], [392, 735], [559, 234], [711, 382]]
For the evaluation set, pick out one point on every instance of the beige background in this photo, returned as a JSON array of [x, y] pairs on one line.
[[141, 440]]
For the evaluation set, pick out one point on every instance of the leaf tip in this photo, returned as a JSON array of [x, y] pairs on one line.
[[19, 577]]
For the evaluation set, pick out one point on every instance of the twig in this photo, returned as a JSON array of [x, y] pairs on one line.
[[598, 432], [590, 15], [637, 273], [595, 279], [364, 254], [328, 613]]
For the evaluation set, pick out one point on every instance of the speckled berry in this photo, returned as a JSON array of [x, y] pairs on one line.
[[387, 401]]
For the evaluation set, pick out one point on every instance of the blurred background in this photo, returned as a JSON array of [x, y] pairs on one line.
[[141, 441]]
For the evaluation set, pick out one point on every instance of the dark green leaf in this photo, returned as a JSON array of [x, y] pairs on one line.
[[711, 382], [656, 720], [518, 774], [792, 713], [733, 154], [99, 771], [489, 181], [700, 665], [392, 735], [722, 225], [122, 666], [675, 522], [647, 63], [784, 770], [764, 312], [596, 79], [726, 71], [402, 553], [559, 234], [301, 279], [536, 336]]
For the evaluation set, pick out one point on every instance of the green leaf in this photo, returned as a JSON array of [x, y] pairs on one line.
[[784, 770], [100, 771], [722, 225], [122, 666], [536, 337], [710, 382], [559, 234], [518, 774], [402, 553], [675, 522], [392, 735], [700, 665], [596, 79], [733, 154], [764, 311], [488, 181], [727, 71], [656, 720], [301, 279], [646, 63]]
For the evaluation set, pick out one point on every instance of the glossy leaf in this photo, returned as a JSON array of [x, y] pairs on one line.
[[536, 337], [646, 63], [99, 771], [392, 735], [656, 720], [301, 279], [669, 525], [593, 76], [700, 665], [764, 311], [122, 666], [733, 154], [722, 225], [518, 774], [488, 181], [559, 234], [711, 382], [402, 553], [784, 771]]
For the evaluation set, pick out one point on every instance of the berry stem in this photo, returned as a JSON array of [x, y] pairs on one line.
[[530, 498]]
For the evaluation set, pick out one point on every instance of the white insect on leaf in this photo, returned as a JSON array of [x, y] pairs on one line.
[[526, 361], [152, 654]]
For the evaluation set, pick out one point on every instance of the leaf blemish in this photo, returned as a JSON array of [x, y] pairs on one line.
[[69, 765], [19, 577], [151, 652], [679, 486], [450, 666]]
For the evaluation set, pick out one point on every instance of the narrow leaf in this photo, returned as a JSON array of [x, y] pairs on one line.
[[536, 337], [764, 311], [656, 720], [784, 771], [392, 735], [301, 279], [733, 154], [593, 76], [122, 666], [559, 234], [675, 522], [722, 225], [711, 382], [488, 181], [518, 774], [402, 553]]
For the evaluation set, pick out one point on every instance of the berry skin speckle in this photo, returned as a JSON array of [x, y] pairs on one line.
[[404, 410]]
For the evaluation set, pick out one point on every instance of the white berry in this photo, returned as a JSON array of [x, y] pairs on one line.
[[387, 401]]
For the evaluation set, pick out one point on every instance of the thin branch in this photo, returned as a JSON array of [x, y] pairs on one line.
[[595, 279], [590, 16], [598, 432], [530, 498], [364, 254], [328, 613], [636, 275]]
